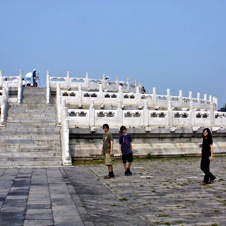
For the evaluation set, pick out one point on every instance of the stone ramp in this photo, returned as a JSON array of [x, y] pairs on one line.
[[31, 136]]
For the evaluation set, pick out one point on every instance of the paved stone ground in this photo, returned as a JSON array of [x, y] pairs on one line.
[[160, 192]]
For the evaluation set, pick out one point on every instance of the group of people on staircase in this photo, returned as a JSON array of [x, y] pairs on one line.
[[31, 79]]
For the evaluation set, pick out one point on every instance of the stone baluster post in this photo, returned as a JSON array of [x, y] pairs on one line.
[[198, 100], [138, 96], [211, 110], [20, 89], [87, 83], [190, 99], [1, 78], [168, 97], [101, 96], [103, 82], [154, 97], [134, 86], [146, 114], [4, 104], [80, 96], [117, 82], [47, 88], [180, 99], [205, 100], [205, 97], [66, 157], [128, 85], [120, 95], [91, 114], [192, 114], [120, 115], [68, 80], [58, 103], [170, 114], [215, 103]]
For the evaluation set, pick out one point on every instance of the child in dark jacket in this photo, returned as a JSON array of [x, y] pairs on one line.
[[126, 150]]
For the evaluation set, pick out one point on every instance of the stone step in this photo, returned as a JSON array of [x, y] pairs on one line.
[[12, 129], [29, 147], [34, 102], [36, 122], [31, 136], [33, 154], [29, 143], [9, 149], [33, 113], [37, 111], [31, 107], [34, 89], [30, 162]]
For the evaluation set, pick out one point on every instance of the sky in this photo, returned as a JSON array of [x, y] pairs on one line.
[[166, 44]]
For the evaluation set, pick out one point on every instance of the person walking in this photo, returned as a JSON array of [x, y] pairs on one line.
[[207, 156], [107, 151], [126, 150]]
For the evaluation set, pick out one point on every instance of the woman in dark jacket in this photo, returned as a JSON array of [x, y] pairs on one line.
[[207, 156]]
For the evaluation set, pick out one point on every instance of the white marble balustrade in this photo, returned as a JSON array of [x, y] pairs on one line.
[[12, 83], [92, 108]]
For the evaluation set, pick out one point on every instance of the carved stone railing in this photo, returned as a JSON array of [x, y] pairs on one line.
[[89, 84], [102, 90], [137, 100], [92, 118], [12, 82], [90, 109]]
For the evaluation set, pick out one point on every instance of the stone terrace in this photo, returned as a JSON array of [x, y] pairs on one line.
[[161, 192]]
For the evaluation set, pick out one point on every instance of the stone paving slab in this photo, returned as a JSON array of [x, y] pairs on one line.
[[162, 191]]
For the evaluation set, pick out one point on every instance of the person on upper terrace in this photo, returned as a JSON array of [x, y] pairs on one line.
[[34, 78], [107, 79], [23, 82], [143, 90]]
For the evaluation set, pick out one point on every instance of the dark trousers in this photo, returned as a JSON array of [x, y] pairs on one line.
[[205, 167]]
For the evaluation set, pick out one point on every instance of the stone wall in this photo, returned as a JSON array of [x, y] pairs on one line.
[[158, 142]]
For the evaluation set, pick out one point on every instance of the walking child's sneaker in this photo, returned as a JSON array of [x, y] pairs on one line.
[[126, 173], [129, 172], [203, 183], [211, 180], [109, 177]]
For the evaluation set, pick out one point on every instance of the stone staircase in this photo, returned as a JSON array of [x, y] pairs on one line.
[[31, 137]]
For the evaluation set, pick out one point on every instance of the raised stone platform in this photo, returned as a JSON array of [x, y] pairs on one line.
[[76, 108]]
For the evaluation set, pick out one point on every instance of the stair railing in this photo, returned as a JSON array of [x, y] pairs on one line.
[[20, 88], [47, 88], [66, 157], [58, 104], [4, 104]]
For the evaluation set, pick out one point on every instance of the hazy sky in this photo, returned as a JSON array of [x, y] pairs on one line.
[[175, 44]]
